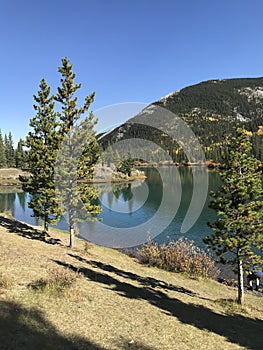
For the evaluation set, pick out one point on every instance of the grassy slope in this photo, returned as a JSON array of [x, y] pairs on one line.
[[10, 176], [117, 304]]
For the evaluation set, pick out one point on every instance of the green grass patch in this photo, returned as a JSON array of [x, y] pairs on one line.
[[231, 306]]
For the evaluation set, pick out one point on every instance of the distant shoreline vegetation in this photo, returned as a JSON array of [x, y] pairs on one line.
[[10, 176]]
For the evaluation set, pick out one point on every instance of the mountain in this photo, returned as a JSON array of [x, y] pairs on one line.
[[213, 110]]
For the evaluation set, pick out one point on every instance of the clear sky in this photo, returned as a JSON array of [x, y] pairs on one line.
[[125, 50]]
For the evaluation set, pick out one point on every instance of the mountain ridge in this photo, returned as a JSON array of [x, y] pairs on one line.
[[213, 109]]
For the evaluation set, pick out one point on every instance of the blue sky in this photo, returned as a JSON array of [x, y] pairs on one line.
[[126, 51]]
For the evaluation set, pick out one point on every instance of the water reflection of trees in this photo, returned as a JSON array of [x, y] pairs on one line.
[[7, 202], [118, 191], [8, 198], [22, 200], [124, 193]]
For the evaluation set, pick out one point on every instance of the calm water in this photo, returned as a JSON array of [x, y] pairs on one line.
[[129, 207]]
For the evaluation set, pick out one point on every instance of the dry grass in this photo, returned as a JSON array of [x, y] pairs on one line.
[[117, 304], [7, 173], [5, 281], [10, 176], [57, 282]]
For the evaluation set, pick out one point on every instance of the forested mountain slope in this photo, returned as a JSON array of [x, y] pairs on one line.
[[213, 109]]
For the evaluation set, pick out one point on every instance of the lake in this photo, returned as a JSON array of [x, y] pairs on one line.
[[133, 211]]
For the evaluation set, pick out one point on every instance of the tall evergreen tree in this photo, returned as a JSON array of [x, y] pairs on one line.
[[43, 143], [20, 155], [126, 166], [9, 150], [238, 231], [79, 151], [3, 163]]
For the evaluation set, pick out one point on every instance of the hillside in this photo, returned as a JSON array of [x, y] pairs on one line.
[[10, 176], [213, 109], [115, 303]]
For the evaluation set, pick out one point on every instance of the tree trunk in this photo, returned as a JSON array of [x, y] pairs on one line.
[[71, 236], [46, 226], [240, 298]]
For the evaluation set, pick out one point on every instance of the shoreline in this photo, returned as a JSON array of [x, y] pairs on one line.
[[9, 177], [226, 275]]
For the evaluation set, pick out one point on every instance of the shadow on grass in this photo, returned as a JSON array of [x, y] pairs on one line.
[[27, 329], [144, 281], [26, 231], [235, 328]]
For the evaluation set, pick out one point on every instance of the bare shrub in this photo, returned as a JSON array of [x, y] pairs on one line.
[[150, 253], [58, 280], [180, 256]]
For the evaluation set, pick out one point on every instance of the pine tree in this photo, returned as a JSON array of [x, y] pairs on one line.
[[9, 150], [20, 155], [238, 231], [126, 166], [43, 143], [2, 153], [78, 152]]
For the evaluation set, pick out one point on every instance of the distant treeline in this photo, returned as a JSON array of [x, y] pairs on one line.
[[11, 157]]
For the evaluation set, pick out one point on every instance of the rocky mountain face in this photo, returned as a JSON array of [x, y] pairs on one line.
[[209, 112]]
